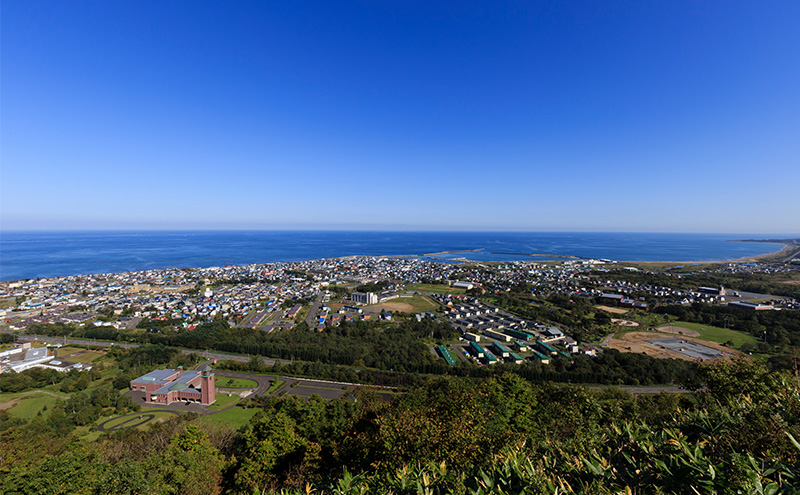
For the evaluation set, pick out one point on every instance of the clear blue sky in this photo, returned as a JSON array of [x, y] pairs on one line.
[[674, 116]]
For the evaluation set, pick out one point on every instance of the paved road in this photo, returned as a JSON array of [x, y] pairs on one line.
[[62, 340], [312, 315], [458, 350], [129, 345], [270, 362], [264, 382], [672, 389]]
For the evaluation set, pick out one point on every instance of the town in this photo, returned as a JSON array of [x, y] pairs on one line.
[[276, 297]]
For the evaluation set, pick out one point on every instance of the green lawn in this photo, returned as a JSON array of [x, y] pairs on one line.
[[159, 415], [644, 318], [235, 417], [717, 334], [223, 400], [226, 382], [434, 288], [63, 352], [420, 303], [276, 384], [86, 357], [28, 404], [89, 436]]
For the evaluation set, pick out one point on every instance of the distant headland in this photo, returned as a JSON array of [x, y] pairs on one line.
[[790, 251]]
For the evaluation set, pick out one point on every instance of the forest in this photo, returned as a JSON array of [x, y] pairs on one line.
[[388, 354], [737, 433], [692, 277]]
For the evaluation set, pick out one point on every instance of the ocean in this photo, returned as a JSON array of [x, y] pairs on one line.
[[26, 254]]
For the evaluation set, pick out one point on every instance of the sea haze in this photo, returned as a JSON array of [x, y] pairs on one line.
[[26, 254]]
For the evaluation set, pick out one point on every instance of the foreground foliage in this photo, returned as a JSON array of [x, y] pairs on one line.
[[736, 434]]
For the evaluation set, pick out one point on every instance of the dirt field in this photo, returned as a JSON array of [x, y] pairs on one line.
[[393, 305], [408, 305], [679, 331], [624, 323], [637, 342], [9, 404], [616, 311]]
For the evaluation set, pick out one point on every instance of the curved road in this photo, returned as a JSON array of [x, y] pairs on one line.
[[130, 345], [269, 362]]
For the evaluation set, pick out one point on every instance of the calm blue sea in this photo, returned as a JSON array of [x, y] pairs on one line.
[[48, 254]]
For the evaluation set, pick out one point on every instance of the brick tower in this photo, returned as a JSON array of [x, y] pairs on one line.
[[207, 386]]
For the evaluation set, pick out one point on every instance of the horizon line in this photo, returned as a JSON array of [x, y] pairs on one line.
[[398, 230]]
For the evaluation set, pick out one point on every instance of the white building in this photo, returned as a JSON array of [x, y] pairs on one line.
[[364, 297]]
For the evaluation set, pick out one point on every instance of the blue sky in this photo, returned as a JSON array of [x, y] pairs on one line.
[[674, 116]]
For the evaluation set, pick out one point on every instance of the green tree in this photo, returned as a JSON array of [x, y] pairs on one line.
[[270, 446], [190, 465]]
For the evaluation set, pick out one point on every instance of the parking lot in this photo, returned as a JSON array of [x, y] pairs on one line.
[[688, 348]]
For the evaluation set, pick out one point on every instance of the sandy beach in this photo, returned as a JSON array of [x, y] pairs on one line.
[[787, 252]]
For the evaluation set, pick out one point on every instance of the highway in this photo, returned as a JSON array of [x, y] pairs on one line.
[[129, 345], [211, 355]]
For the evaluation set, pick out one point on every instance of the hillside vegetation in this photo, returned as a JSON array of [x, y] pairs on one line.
[[736, 434]]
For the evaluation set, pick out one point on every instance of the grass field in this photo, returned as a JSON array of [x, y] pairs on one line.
[[717, 334], [421, 303], [63, 352], [434, 288], [88, 433], [158, 415], [648, 319], [222, 401], [226, 382], [27, 404], [86, 357], [235, 417]]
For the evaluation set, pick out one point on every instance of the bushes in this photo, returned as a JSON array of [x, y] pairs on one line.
[[447, 435]]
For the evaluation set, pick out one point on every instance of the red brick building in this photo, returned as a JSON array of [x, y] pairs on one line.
[[167, 386]]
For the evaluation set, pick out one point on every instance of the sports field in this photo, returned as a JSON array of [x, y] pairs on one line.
[[714, 334], [408, 305], [434, 288]]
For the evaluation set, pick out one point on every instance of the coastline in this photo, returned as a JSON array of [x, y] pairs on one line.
[[786, 252], [50, 255]]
